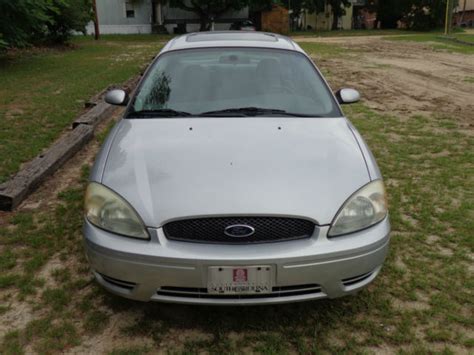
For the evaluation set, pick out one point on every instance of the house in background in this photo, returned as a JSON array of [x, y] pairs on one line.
[[322, 21], [154, 16], [466, 19], [358, 15], [148, 16], [274, 19]]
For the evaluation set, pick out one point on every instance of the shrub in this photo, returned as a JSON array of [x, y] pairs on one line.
[[27, 22], [20, 20], [67, 16]]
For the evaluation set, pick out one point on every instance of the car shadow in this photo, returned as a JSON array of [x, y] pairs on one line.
[[218, 319]]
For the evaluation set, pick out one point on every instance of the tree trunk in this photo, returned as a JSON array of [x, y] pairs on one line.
[[335, 20], [463, 13], [96, 21], [204, 20]]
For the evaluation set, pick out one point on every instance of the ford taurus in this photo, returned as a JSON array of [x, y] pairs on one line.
[[234, 178]]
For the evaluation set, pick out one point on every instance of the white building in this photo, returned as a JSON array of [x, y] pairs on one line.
[[145, 16]]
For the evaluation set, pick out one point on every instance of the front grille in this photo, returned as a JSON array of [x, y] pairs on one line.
[[282, 291], [212, 230]]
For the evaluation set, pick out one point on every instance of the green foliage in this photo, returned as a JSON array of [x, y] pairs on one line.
[[420, 15], [297, 6], [20, 19], [26, 22], [391, 11], [426, 14], [67, 16]]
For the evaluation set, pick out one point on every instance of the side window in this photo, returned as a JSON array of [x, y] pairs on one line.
[[129, 10]]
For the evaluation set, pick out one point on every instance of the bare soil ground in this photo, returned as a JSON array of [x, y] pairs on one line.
[[405, 78]]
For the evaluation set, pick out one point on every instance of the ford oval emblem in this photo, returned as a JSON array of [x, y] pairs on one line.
[[239, 231]]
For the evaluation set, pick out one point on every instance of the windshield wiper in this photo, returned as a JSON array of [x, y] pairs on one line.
[[162, 112], [254, 111]]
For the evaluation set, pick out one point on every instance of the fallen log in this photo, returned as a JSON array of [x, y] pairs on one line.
[[34, 172], [95, 115]]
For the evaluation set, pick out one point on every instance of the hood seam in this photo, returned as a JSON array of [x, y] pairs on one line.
[[360, 149]]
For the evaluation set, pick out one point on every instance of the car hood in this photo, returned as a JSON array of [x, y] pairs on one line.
[[186, 167]]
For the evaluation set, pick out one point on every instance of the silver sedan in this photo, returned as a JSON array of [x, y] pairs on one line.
[[234, 178]]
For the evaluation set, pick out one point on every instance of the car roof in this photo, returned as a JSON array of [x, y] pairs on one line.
[[216, 39]]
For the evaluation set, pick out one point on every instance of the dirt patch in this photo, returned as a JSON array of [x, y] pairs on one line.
[[421, 305], [19, 314], [404, 78], [432, 239], [12, 113], [112, 338], [382, 350]]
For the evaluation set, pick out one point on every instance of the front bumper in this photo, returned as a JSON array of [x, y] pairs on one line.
[[170, 271]]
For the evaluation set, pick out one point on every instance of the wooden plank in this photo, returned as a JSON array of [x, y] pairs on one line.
[[95, 115], [34, 172]]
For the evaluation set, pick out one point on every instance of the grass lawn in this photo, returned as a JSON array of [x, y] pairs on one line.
[[440, 43], [465, 37], [43, 90], [421, 303]]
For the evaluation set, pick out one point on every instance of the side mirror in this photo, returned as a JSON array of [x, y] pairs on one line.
[[347, 96], [116, 97]]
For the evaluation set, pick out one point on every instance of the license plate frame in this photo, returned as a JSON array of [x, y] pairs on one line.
[[240, 280]]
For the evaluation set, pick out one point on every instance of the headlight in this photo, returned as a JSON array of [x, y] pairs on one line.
[[107, 210], [363, 209]]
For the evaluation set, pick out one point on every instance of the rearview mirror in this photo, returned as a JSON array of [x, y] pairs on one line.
[[347, 96], [116, 97]]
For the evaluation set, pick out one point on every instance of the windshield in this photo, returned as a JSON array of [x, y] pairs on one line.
[[198, 81]]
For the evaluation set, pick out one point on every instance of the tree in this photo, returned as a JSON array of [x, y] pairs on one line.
[[27, 22], [297, 7], [20, 20], [418, 15], [67, 16], [389, 12], [209, 10], [338, 9], [425, 15]]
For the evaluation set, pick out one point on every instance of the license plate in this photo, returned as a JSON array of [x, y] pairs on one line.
[[233, 280]]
